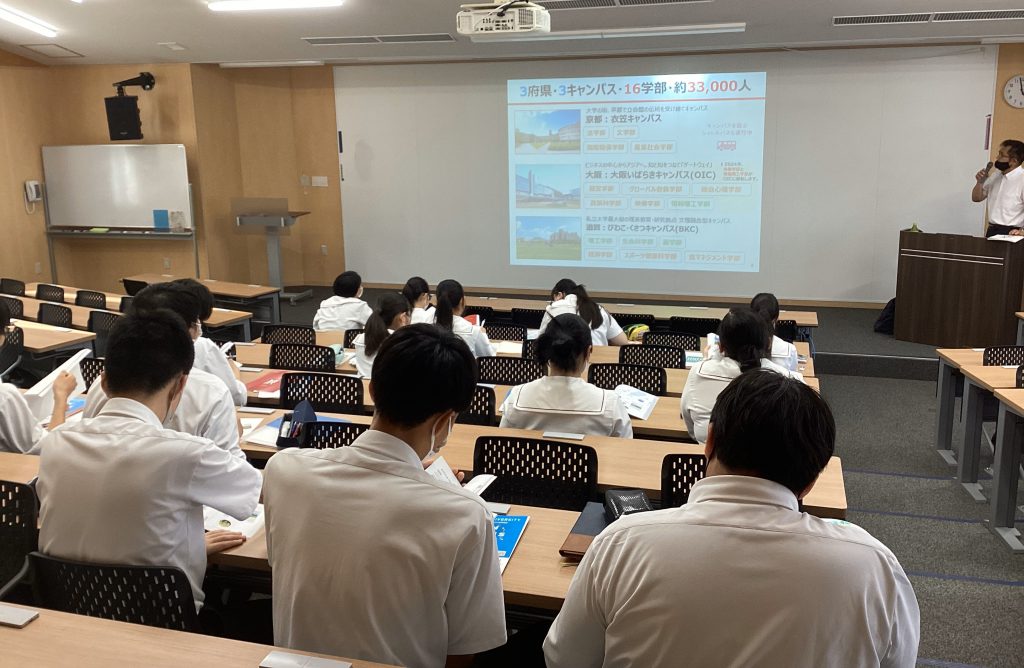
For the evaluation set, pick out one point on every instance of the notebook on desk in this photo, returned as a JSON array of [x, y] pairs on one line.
[[590, 523]]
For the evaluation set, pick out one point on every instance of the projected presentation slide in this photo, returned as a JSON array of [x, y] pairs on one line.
[[658, 172]]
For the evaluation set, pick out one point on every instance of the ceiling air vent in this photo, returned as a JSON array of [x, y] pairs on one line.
[[52, 50], [410, 39], [576, 4], [988, 15], [634, 3], [879, 19], [336, 41]]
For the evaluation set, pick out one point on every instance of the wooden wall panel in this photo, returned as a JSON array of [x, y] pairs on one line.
[[1007, 122]]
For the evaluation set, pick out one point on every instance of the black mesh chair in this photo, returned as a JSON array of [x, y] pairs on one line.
[[12, 286], [133, 287], [54, 314], [530, 349], [350, 337], [91, 368], [1003, 356], [50, 293], [536, 472], [159, 596], [678, 473], [696, 326], [650, 379], [91, 299], [328, 392], [301, 334], [485, 312], [325, 435], [666, 357], [505, 332], [18, 532], [628, 319], [481, 410], [529, 318], [672, 339], [12, 351], [786, 330], [100, 323], [508, 370], [126, 303], [16, 306], [296, 357], [1020, 376]]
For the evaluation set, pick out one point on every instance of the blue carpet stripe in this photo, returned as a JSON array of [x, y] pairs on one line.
[[966, 578]]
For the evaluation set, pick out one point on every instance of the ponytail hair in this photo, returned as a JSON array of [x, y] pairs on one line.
[[745, 337], [449, 296], [389, 306], [415, 288], [564, 342], [587, 308], [766, 305]]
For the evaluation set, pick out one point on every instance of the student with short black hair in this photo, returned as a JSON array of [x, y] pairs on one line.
[[119, 487], [345, 310], [372, 557], [570, 297], [782, 352], [451, 304], [209, 357], [392, 313], [417, 291], [739, 575], [562, 400]]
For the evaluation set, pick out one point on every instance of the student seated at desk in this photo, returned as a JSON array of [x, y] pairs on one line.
[[345, 310], [783, 352], [744, 342], [391, 314], [206, 408], [739, 576], [417, 291], [563, 400], [372, 557], [209, 357], [19, 429], [119, 487], [451, 302], [569, 297]]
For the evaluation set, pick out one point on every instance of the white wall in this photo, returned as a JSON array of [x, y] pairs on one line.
[[858, 145]]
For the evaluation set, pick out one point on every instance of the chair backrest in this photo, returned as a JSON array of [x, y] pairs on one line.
[[100, 323], [485, 312], [91, 368], [678, 473], [54, 314], [126, 303], [1020, 376], [298, 357], [1003, 355], [528, 317], [324, 435], [481, 410], [667, 357], [12, 286], [627, 319], [91, 299], [786, 330], [349, 340], [537, 472], [508, 370], [530, 349], [133, 287], [500, 331], [12, 351], [302, 334], [159, 596], [329, 392], [672, 339], [50, 293], [18, 528], [697, 326], [650, 379], [16, 306]]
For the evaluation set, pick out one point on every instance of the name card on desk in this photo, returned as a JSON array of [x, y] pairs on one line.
[[277, 659]]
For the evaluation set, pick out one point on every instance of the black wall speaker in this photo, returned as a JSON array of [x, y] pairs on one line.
[[123, 119]]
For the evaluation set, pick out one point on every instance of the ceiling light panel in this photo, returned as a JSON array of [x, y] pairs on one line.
[[258, 5], [27, 21]]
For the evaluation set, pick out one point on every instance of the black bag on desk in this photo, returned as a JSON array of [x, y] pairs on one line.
[[886, 319]]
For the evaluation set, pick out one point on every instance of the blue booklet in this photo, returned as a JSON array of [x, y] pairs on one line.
[[508, 529]]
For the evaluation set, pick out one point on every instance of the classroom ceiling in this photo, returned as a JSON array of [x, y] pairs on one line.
[[131, 31]]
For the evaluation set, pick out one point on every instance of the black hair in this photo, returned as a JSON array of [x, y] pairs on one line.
[[414, 288], [201, 293], [147, 351], [389, 306], [564, 342], [449, 296], [5, 314], [745, 337], [1015, 150], [588, 309], [774, 427], [347, 284], [765, 305], [422, 370], [172, 296]]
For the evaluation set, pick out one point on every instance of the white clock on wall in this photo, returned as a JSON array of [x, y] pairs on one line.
[[1013, 91]]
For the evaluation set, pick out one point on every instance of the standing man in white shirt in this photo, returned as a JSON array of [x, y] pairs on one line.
[[372, 557], [1003, 188], [121, 488], [739, 576], [345, 310]]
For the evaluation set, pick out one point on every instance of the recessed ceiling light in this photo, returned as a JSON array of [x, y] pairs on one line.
[[27, 21], [254, 5]]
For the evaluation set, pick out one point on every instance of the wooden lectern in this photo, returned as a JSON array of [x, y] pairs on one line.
[[955, 291]]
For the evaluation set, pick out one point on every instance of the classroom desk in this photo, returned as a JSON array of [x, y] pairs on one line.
[[980, 382], [244, 294], [62, 639], [16, 467], [41, 338], [79, 314], [950, 361], [1006, 467]]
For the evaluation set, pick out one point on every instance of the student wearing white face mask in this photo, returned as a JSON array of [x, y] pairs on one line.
[[417, 291], [392, 313], [209, 357], [373, 557], [451, 303]]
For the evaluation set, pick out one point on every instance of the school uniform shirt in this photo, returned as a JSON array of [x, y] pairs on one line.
[[212, 360], [121, 488], [705, 382], [205, 410], [1005, 196], [784, 354], [608, 329], [375, 559], [736, 577], [342, 313], [563, 403], [19, 428], [364, 362], [420, 315], [474, 336]]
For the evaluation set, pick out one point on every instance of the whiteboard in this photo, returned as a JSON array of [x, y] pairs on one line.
[[128, 186], [859, 144]]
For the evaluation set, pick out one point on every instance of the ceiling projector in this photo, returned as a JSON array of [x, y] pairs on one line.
[[502, 20]]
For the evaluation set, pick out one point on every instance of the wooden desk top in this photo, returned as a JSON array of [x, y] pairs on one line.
[[41, 338], [16, 467], [991, 377], [61, 639], [1013, 399], [79, 314], [70, 293], [222, 288], [958, 357]]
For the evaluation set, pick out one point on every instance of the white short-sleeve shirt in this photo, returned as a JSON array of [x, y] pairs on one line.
[[342, 313], [474, 336], [420, 315], [375, 559], [784, 354], [607, 330], [364, 362], [563, 403], [211, 359], [1005, 195], [736, 577], [19, 429]]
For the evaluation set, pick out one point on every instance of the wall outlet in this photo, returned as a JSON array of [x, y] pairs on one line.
[[305, 181], [39, 268], [319, 181], [167, 263], [323, 249]]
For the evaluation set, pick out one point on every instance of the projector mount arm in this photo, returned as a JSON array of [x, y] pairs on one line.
[[145, 79]]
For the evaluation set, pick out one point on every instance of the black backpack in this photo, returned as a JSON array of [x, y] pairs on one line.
[[886, 319]]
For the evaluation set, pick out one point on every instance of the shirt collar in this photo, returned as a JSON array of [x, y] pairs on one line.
[[129, 408], [743, 489], [386, 446]]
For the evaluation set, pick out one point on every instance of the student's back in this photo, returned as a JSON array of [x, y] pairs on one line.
[[345, 310], [569, 297]]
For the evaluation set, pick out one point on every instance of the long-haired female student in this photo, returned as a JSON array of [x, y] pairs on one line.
[[562, 400], [417, 292], [392, 312], [451, 302], [569, 297]]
